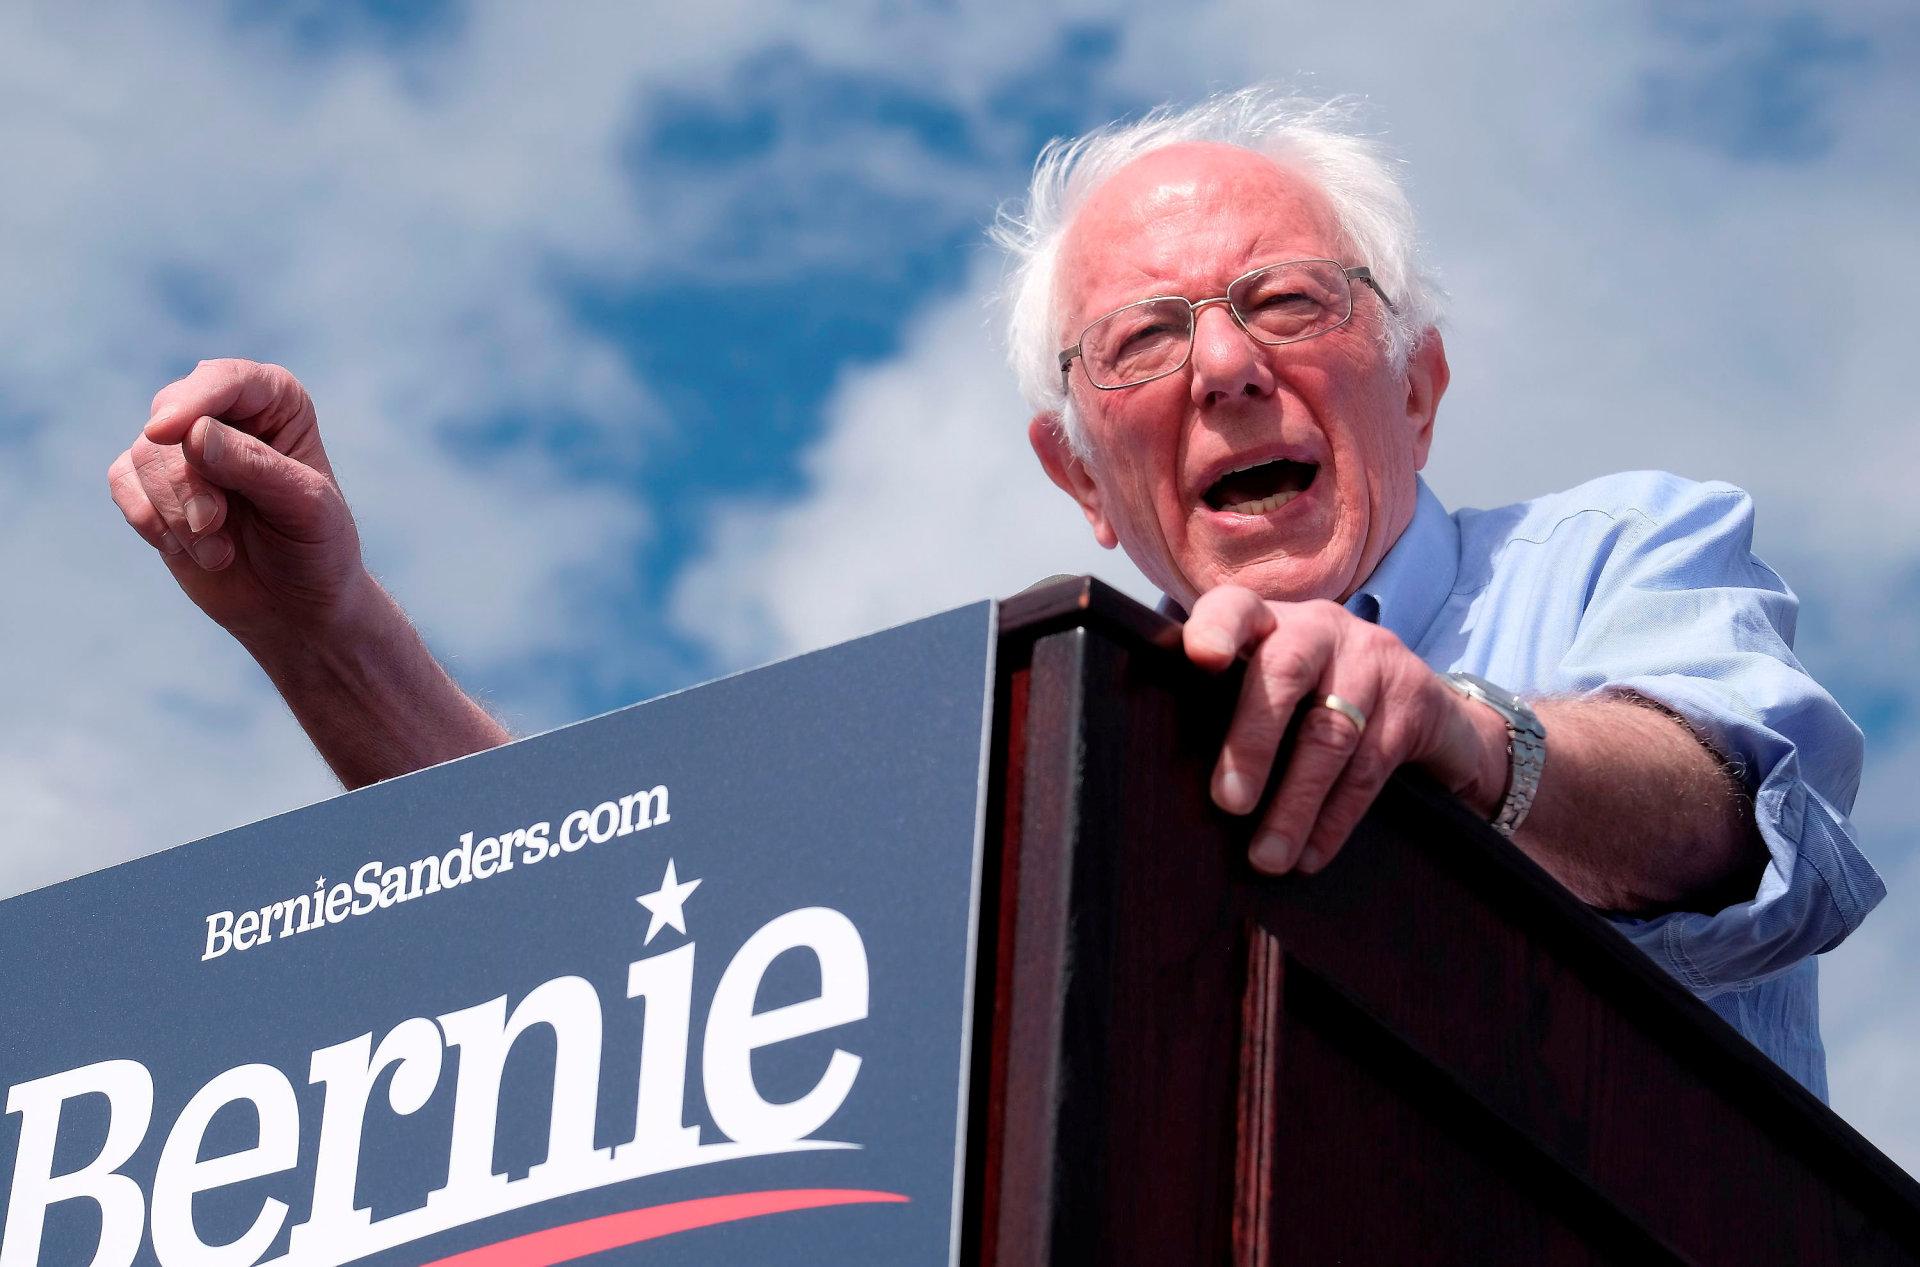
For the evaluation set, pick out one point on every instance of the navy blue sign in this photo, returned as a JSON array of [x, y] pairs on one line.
[[687, 983]]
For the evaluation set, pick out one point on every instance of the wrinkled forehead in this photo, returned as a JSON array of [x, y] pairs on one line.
[[1188, 218]]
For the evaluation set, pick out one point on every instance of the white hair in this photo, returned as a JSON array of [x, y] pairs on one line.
[[1319, 139]]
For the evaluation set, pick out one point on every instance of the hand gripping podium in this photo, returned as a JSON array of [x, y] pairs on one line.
[[1428, 1053], [925, 948]]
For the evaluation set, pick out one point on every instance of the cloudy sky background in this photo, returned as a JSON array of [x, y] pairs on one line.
[[650, 343]]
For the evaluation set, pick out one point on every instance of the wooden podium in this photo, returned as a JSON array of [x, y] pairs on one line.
[[1428, 1053]]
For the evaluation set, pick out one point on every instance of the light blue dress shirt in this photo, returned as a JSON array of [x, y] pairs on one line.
[[1646, 582]]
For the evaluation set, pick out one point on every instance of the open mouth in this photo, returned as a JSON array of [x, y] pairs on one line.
[[1264, 486]]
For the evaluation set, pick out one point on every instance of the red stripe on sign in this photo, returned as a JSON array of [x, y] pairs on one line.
[[612, 1231]]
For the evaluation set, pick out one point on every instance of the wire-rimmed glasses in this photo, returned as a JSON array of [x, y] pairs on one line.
[[1275, 304]]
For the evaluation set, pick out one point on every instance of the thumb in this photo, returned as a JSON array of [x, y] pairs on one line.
[[1225, 621], [290, 494]]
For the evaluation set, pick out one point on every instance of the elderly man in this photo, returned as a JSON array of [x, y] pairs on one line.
[[1236, 370]]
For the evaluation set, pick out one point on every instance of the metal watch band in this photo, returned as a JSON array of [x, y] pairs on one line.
[[1526, 747]]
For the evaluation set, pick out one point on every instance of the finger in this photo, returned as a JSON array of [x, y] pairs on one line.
[[193, 509], [124, 483], [1353, 793], [260, 397], [1287, 664], [1410, 704], [1323, 748], [291, 495], [1225, 621]]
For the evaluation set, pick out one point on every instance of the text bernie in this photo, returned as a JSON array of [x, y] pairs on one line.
[[336, 1230]]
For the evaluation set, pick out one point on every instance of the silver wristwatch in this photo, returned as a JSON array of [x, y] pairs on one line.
[[1526, 746]]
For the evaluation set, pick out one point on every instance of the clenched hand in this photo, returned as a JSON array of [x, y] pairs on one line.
[[229, 481]]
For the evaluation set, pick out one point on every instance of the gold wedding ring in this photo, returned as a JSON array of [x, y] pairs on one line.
[[1348, 711]]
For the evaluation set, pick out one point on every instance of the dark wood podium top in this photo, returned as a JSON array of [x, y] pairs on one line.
[[1428, 1053]]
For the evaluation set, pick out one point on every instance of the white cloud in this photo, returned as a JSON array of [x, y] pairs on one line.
[[922, 495], [1872, 1028], [183, 191], [392, 226]]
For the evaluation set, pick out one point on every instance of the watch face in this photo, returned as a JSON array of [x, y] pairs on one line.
[[1497, 694]]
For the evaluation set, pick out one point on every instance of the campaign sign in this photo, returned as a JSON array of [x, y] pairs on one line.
[[687, 983]]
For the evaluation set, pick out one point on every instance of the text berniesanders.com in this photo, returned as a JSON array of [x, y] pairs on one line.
[[376, 886]]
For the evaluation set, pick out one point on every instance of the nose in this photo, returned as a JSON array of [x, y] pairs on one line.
[[1227, 363]]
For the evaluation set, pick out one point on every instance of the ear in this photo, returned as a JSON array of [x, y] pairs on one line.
[[1427, 377], [1065, 469]]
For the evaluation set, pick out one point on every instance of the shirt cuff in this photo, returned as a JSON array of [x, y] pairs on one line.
[[1817, 886]]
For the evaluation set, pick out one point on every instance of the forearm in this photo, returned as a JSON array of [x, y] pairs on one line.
[[1635, 814], [371, 696]]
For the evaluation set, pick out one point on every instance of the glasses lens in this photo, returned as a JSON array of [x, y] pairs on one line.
[[1139, 342], [1289, 302]]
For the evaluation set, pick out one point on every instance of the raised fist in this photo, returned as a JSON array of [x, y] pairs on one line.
[[229, 482]]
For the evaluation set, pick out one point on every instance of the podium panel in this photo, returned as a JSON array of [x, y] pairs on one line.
[[1429, 1052], [686, 983]]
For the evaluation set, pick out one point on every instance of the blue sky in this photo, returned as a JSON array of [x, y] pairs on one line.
[[651, 343]]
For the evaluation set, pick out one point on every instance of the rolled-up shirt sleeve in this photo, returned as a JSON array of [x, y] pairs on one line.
[[1682, 613]]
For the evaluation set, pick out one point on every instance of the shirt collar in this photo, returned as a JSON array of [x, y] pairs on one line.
[[1411, 584]]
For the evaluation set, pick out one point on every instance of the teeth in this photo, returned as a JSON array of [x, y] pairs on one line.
[[1263, 505], [1249, 466]]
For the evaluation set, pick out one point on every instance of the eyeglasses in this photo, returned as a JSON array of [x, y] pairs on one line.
[[1281, 303]]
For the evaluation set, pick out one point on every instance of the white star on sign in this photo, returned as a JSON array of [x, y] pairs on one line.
[[665, 903]]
